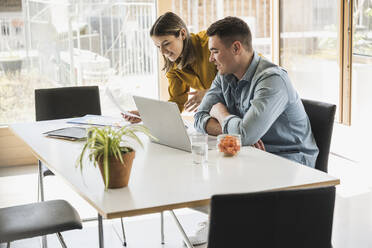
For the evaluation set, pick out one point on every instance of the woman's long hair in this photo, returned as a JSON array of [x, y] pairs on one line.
[[171, 24]]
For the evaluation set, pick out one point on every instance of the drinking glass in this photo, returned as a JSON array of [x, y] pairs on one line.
[[199, 148]]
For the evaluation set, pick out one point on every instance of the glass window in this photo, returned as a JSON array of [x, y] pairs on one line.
[[76, 43], [309, 47], [362, 63], [199, 14]]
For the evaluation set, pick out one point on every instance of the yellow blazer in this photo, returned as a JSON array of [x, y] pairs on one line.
[[198, 75]]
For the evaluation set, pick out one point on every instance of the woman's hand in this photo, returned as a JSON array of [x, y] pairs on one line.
[[132, 119], [193, 103]]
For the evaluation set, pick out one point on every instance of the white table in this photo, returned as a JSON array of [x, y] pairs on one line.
[[164, 178]]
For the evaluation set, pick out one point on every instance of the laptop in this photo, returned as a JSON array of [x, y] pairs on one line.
[[164, 121]]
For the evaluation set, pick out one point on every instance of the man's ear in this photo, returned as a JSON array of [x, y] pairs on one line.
[[236, 47]]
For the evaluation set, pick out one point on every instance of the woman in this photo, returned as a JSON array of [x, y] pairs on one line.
[[186, 62]]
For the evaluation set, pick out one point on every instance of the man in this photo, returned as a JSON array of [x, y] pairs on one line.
[[253, 97]]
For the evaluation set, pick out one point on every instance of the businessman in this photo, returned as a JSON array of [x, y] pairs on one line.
[[253, 97]]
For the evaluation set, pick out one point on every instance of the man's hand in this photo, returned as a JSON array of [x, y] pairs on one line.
[[195, 100], [259, 145], [219, 111]]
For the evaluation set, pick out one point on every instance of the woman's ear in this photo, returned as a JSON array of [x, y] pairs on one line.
[[183, 33]]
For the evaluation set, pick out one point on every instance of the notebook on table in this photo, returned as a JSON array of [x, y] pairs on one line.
[[68, 133]]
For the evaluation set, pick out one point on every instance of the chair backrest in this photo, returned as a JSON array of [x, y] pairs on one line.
[[291, 219], [66, 102], [321, 116]]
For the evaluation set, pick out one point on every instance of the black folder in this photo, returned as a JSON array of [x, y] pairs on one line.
[[68, 133]]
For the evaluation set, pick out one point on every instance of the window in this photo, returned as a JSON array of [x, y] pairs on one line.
[[362, 63], [256, 13], [75, 43], [309, 47]]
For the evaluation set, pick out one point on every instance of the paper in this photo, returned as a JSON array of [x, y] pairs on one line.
[[130, 114], [112, 98], [99, 120]]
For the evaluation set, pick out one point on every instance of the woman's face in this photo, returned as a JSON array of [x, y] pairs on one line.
[[169, 45]]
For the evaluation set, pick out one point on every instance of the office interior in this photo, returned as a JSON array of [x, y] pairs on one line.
[[325, 46]]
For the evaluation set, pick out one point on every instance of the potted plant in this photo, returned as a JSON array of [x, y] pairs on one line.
[[109, 147]]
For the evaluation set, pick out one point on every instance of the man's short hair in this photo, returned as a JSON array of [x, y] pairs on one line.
[[230, 29]]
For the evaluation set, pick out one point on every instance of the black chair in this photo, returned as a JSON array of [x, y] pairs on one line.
[[59, 103], [321, 116], [37, 219], [64, 102], [291, 219]]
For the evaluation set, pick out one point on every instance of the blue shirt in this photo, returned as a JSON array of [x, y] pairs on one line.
[[263, 105]]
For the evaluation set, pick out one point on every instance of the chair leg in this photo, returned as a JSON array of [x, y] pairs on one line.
[[123, 231], [162, 227], [60, 238]]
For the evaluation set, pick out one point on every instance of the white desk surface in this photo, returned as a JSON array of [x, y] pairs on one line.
[[164, 178]]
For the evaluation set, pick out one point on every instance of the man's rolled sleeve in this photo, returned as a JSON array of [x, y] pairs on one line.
[[231, 124], [202, 122]]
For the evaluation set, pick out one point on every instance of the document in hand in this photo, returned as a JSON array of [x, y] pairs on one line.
[[68, 133], [98, 120], [113, 99]]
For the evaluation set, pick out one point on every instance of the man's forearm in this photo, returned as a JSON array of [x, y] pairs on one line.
[[213, 127]]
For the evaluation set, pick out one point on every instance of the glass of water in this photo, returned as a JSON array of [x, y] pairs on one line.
[[199, 148]]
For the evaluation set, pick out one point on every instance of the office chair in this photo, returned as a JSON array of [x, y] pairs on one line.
[[321, 116], [37, 219], [65, 102], [290, 218]]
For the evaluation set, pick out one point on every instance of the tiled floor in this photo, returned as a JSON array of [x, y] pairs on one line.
[[352, 220]]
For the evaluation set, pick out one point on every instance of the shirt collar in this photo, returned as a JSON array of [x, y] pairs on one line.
[[248, 75]]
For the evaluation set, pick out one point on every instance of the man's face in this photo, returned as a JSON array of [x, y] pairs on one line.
[[221, 56]]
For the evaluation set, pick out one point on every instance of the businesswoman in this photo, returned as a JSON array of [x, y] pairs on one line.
[[186, 62]]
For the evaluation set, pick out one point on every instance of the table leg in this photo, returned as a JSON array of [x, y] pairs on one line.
[[122, 230], [162, 227], [185, 238], [100, 232], [40, 196], [44, 242], [40, 186]]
